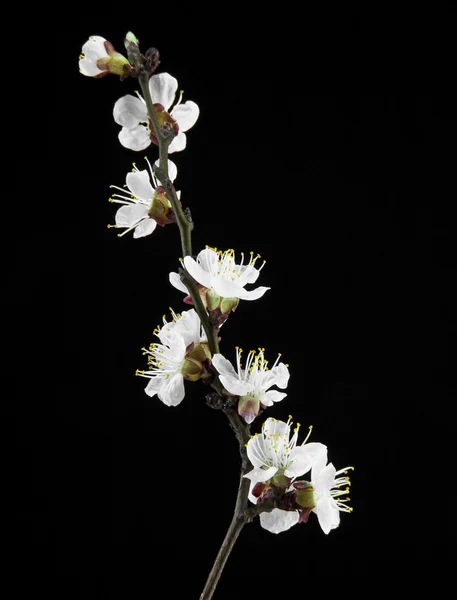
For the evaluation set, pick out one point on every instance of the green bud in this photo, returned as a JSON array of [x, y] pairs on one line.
[[130, 37]]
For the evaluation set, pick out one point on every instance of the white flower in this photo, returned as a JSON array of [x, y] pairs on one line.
[[273, 454], [327, 484], [145, 205], [218, 271], [167, 359], [326, 488], [252, 383], [98, 58], [137, 132]]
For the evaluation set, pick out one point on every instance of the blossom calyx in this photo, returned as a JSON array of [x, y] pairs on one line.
[[194, 366], [304, 494], [160, 208], [98, 58]]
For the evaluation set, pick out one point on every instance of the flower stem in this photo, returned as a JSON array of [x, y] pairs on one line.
[[237, 524], [185, 225]]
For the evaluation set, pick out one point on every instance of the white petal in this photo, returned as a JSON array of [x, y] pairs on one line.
[[129, 111], [178, 144], [128, 215], [226, 289], [301, 462], [279, 520], [95, 44], [230, 289], [207, 259], [176, 282], [139, 184], [234, 385], [249, 274], [251, 496], [172, 392], [325, 479], [272, 426], [259, 474], [327, 513], [188, 326], [197, 272], [88, 67], [154, 385], [319, 462], [172, 169], [224, 366], [272, 396], [253, 294], [135, 139], [163, 88], [185, 115], [146, 227], [281, 375]]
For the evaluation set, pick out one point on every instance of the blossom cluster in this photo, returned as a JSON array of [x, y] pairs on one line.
[[182, 353]]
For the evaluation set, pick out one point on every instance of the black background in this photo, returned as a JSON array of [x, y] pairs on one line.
[[343, 179]]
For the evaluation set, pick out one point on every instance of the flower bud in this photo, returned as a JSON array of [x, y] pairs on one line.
[[98, 58]]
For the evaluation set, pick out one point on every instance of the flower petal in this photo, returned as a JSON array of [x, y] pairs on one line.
[[281, 375], [154, 385], [128, 215], [319, 462], [273, 426], [325, 479], [197, 272], [129, 111], [163, 88], [301, 462], [88, 66], [188, 327], [178, 144], [279, 520], [259, 474], [207, 259], [224, 366], [234, 385], [272, 396], [135, 139], [327, 514], [176, 282], [230, 289], [186, 115], [96, 43], [146, 227], [172, 392], [139, 184]]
